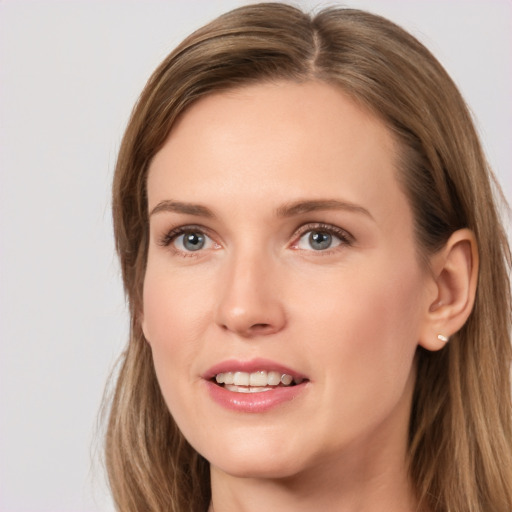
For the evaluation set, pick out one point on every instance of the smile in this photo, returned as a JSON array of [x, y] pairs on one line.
[[255, 382], [255, 386]]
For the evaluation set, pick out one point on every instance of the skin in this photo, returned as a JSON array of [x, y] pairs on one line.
[[349, 318]]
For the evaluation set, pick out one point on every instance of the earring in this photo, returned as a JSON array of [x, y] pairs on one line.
[[443, 338]]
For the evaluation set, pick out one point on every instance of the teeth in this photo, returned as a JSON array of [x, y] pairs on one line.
[[246, 389], [241, 379], [286, 379], [273, 378], [260, 380]]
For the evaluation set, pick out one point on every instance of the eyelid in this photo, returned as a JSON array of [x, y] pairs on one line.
[[343, 235], [170, 235]]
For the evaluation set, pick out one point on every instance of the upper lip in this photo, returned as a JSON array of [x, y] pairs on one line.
[[254, 365]]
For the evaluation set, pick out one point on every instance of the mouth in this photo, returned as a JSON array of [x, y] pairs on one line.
[[255, 386], [259, 381]]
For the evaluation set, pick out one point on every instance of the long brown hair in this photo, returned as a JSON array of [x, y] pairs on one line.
[[460, 430]]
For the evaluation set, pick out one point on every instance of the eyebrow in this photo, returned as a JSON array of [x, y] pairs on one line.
[[300, 207], [179, 207], [287, 210]]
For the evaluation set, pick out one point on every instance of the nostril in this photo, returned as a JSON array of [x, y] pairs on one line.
[[261, 328]]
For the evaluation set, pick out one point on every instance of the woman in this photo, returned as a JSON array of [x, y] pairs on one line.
[[317, 278]]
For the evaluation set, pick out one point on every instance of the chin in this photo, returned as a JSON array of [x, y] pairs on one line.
[[263, 468], [260, 459]]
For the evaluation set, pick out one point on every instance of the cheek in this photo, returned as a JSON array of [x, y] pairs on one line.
[[365, 330], [173, 309], [369, 306], [389, 321], [173, 323]]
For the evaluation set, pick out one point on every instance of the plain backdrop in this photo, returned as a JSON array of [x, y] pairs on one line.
[[70, 72]]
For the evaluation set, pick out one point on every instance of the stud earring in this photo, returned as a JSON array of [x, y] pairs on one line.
[[443, 338]]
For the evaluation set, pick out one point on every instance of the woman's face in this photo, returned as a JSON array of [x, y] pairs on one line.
[[281, 247]]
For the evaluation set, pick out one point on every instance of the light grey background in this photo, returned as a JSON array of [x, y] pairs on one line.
[[70, 72]]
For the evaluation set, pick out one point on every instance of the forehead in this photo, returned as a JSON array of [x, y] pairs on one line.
[[279, 140]]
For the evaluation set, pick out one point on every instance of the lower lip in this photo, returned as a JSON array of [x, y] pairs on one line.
[[254, 402]]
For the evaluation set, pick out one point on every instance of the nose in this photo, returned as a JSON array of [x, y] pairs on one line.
[[250, 302]]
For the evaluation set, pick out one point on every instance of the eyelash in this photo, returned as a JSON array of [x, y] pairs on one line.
[[174, 233], [346, 239]]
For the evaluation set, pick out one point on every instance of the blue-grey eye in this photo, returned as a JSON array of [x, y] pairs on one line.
[[191, 241], [318, 240]]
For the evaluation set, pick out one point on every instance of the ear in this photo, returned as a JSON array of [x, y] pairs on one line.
[[454, 277]]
